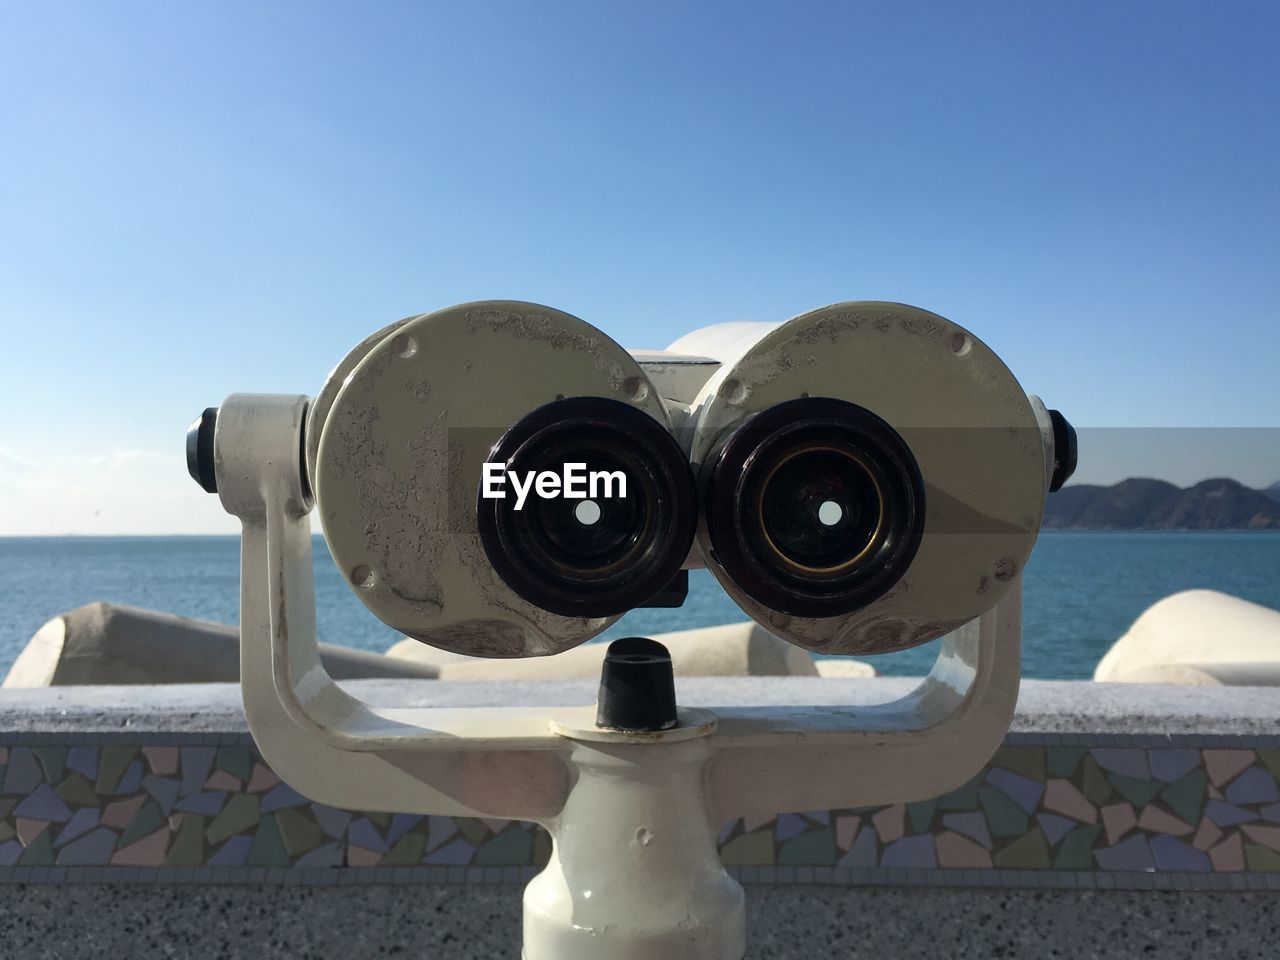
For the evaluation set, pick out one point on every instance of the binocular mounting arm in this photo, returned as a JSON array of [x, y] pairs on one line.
[[920, 746], [327, 744]]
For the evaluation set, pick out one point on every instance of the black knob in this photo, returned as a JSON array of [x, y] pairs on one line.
[[637, 686], [200, 450], [1064, 451]]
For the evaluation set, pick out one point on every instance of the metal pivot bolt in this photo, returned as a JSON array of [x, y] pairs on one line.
[[200, 450], [1064, 450], [637, 686]]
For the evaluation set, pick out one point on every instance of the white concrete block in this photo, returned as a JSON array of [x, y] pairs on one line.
[[103, 643], [732, 650], [1201, 638]]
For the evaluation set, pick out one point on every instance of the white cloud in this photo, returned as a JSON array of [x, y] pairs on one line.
[[112, 492], [11, 460]]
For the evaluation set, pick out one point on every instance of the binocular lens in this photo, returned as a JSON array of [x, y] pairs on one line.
[[815, 507], [592, 538], [618, 536], [820, 509]]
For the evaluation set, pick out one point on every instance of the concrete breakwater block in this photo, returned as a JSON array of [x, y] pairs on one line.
[[1198, 638], [102, 643], [731, 650]]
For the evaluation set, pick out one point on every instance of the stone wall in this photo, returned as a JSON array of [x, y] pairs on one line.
[[1122, 790]]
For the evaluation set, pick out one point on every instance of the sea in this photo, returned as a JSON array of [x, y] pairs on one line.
[[1082, 590]]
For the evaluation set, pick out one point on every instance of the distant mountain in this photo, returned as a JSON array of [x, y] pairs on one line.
[[1143, 504]]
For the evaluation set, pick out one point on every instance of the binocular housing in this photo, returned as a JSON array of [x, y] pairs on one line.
[[502, 479]]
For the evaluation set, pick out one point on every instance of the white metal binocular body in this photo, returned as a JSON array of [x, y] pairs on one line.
[[501, 479]]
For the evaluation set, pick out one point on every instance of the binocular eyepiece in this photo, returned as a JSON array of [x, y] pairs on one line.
[[815, 507], [607, 544]]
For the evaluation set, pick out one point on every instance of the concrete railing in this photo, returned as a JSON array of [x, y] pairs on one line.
[[1117, 820]]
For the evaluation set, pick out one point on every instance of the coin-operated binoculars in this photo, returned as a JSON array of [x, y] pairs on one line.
[[501, 479]]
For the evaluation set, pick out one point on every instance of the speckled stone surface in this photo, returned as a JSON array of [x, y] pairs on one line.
[[789, 923], [1043, 705], [44, 922], [483, 923]]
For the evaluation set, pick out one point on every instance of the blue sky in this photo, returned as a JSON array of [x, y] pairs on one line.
[[197, 199]]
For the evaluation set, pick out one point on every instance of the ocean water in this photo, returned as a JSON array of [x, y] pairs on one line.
[[1081, 590]]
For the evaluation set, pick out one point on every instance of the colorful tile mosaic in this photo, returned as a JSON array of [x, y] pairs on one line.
[[1105, 809]]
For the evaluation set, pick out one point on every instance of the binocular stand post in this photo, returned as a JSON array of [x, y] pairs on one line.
[[634, 873]]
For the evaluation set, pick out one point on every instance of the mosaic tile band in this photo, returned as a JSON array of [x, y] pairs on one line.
[[1107, 811]]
